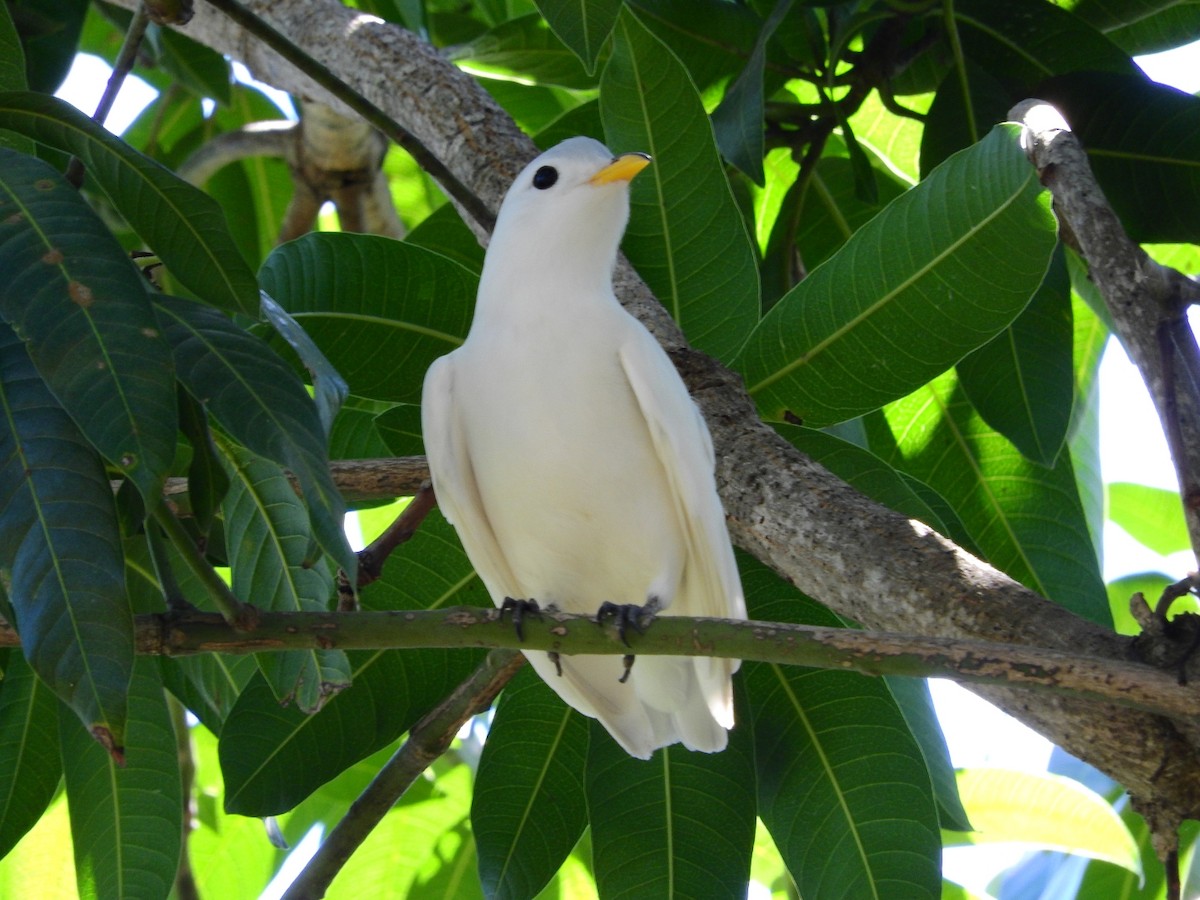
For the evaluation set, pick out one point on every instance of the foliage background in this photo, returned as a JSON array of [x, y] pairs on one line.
[[743, 212]]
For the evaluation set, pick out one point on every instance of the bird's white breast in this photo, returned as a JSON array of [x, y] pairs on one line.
[[568, 476]]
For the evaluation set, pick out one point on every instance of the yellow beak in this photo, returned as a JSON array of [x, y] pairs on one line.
[[623, 168]]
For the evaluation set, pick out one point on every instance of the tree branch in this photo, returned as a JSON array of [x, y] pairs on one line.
[[862, 560]]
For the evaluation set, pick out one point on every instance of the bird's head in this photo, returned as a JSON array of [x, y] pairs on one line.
[[570, 203]]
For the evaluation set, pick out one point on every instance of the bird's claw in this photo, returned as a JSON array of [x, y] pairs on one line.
[[519, 610], [625, 616]]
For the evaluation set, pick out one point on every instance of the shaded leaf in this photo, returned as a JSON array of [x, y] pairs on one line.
[[29, 762], [711, 38], [182, 225], [583, 25], [955, 121], [329, 388], [686, 236], [273, 757], [59, 541], [842, 785], [72, 295], [267, 537], [1022, 381], [1142, 26], [50, 35], [201, 69], [261, 403], [382, 342], [680, 824], [1143, 141], [910, 293], [126, 821], [528, 809], [738, 121]]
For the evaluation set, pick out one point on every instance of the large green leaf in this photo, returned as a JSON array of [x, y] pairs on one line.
[[261, 403], [180, 223], [529, 809], [711, 37], [842, 785], [1143, 141], [126, 821], [268, 540], [272, 757], [72, 295], [380, 310], [1022, 381], [686, 236], [583, 25], [680, 824], [29, 762], [51, 37], [1026, 518], [59, 542], [12, 75], [1141, 26], [912, 291]]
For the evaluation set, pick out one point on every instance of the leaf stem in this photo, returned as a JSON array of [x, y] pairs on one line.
[[238, 615]]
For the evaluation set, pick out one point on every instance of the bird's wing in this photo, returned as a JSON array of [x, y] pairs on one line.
[[685, 450], [454, 482]]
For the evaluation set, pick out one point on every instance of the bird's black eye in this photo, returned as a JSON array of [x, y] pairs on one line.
[[545, 177]]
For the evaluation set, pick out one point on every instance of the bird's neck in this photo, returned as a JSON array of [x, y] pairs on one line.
[[548, 284]]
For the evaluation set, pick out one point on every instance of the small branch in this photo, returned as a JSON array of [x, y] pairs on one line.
[[427, 741], [372, 557], [121, 68], [1125, 683]]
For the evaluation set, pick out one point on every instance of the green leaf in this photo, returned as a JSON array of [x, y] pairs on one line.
[[72, 295], [261, 403], [1090, 339], [273, 757], [180, 223], [583, 25], [1047, 811], [738, 121], [1026, 518], [916, 705], [954, 121], [400, 428], [59, 541], [712, 38], [201, 69], [918, 275], [382, 342], [127, 820], [267, 535], [680, 824], [1143, 141], [524, 48], [12, 75], [1142, 26], [1152, 516], [51, 36], [444, 232], [29, 762], [686, 236], [41, 865], [529, 810], [328, 387], [842, 785], [422, 848], [1024, 41], [1022, 381]]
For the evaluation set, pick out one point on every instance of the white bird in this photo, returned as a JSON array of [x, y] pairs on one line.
[[567, 453]]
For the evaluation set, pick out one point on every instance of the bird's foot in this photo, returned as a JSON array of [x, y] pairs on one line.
[[557, 660], [519, 610], [625, 616], [627, 659]]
